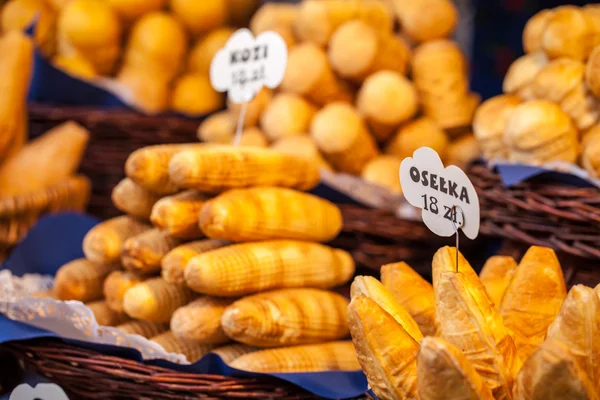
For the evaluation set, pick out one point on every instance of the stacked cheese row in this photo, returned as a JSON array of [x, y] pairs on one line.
[[221, 247], [356, 96], [159, 49], [511, 333], [550, 108]]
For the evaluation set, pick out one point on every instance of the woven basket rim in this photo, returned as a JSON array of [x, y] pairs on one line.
[[558, 215], [69, 365], [121, 116]]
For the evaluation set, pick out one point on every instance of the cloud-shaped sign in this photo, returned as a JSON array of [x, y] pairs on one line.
[[246, 64], [42, 391], [446, 195]]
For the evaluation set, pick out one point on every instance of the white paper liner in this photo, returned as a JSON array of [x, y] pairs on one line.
[[68, 319]]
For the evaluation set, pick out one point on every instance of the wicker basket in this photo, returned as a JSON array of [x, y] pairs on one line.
[[86, 374], [114, 135], [378, 237], [543, 213], [18, 214]]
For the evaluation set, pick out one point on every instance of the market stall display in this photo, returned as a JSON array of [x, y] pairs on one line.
[[481, 349], [227, 244], [255, 256]]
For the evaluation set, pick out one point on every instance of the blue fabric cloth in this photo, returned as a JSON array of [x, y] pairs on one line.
[[511, 174], [50, 85], [57, 239]]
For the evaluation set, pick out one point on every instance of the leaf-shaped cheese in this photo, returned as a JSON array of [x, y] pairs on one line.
[[443, 372]]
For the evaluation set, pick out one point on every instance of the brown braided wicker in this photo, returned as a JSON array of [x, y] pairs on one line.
[[378, 237], [114, 135], [565, 218], [86, 374]]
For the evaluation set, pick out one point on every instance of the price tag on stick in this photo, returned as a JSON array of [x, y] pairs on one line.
[[245, 65], [446, 196]]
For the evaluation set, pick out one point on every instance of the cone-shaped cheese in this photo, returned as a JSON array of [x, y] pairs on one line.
[[219, 127], [200, 16], [174, 262], [204, 50], [46, 160], [149, 166], [157, 42], [533, 298], [172, 344], [15, 72], [215, 169], [274, 264], [193, 94], [130, 10], [469, 320], [534, 29], [104, 242], [318, 20], [357, 50], [373, 289], [331, 356], [265, 213], [551, 373], [133, 199], [75, 64], [386, 352], [387, 99], [444, 260], [496, 276], [342, 136], [178, 214], [309, 316], [81, 280], [578, 327], [444, 373], [200, 321], [155, 300], [522, 72], [413, 292], [106, 316], [144, 252], [426, 20], [230, 352], [309, 74], [301, 146], [116, 285], [287, 115]]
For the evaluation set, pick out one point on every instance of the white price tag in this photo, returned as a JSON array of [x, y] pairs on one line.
[[246, 64], [42, 391], [446, 195]]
